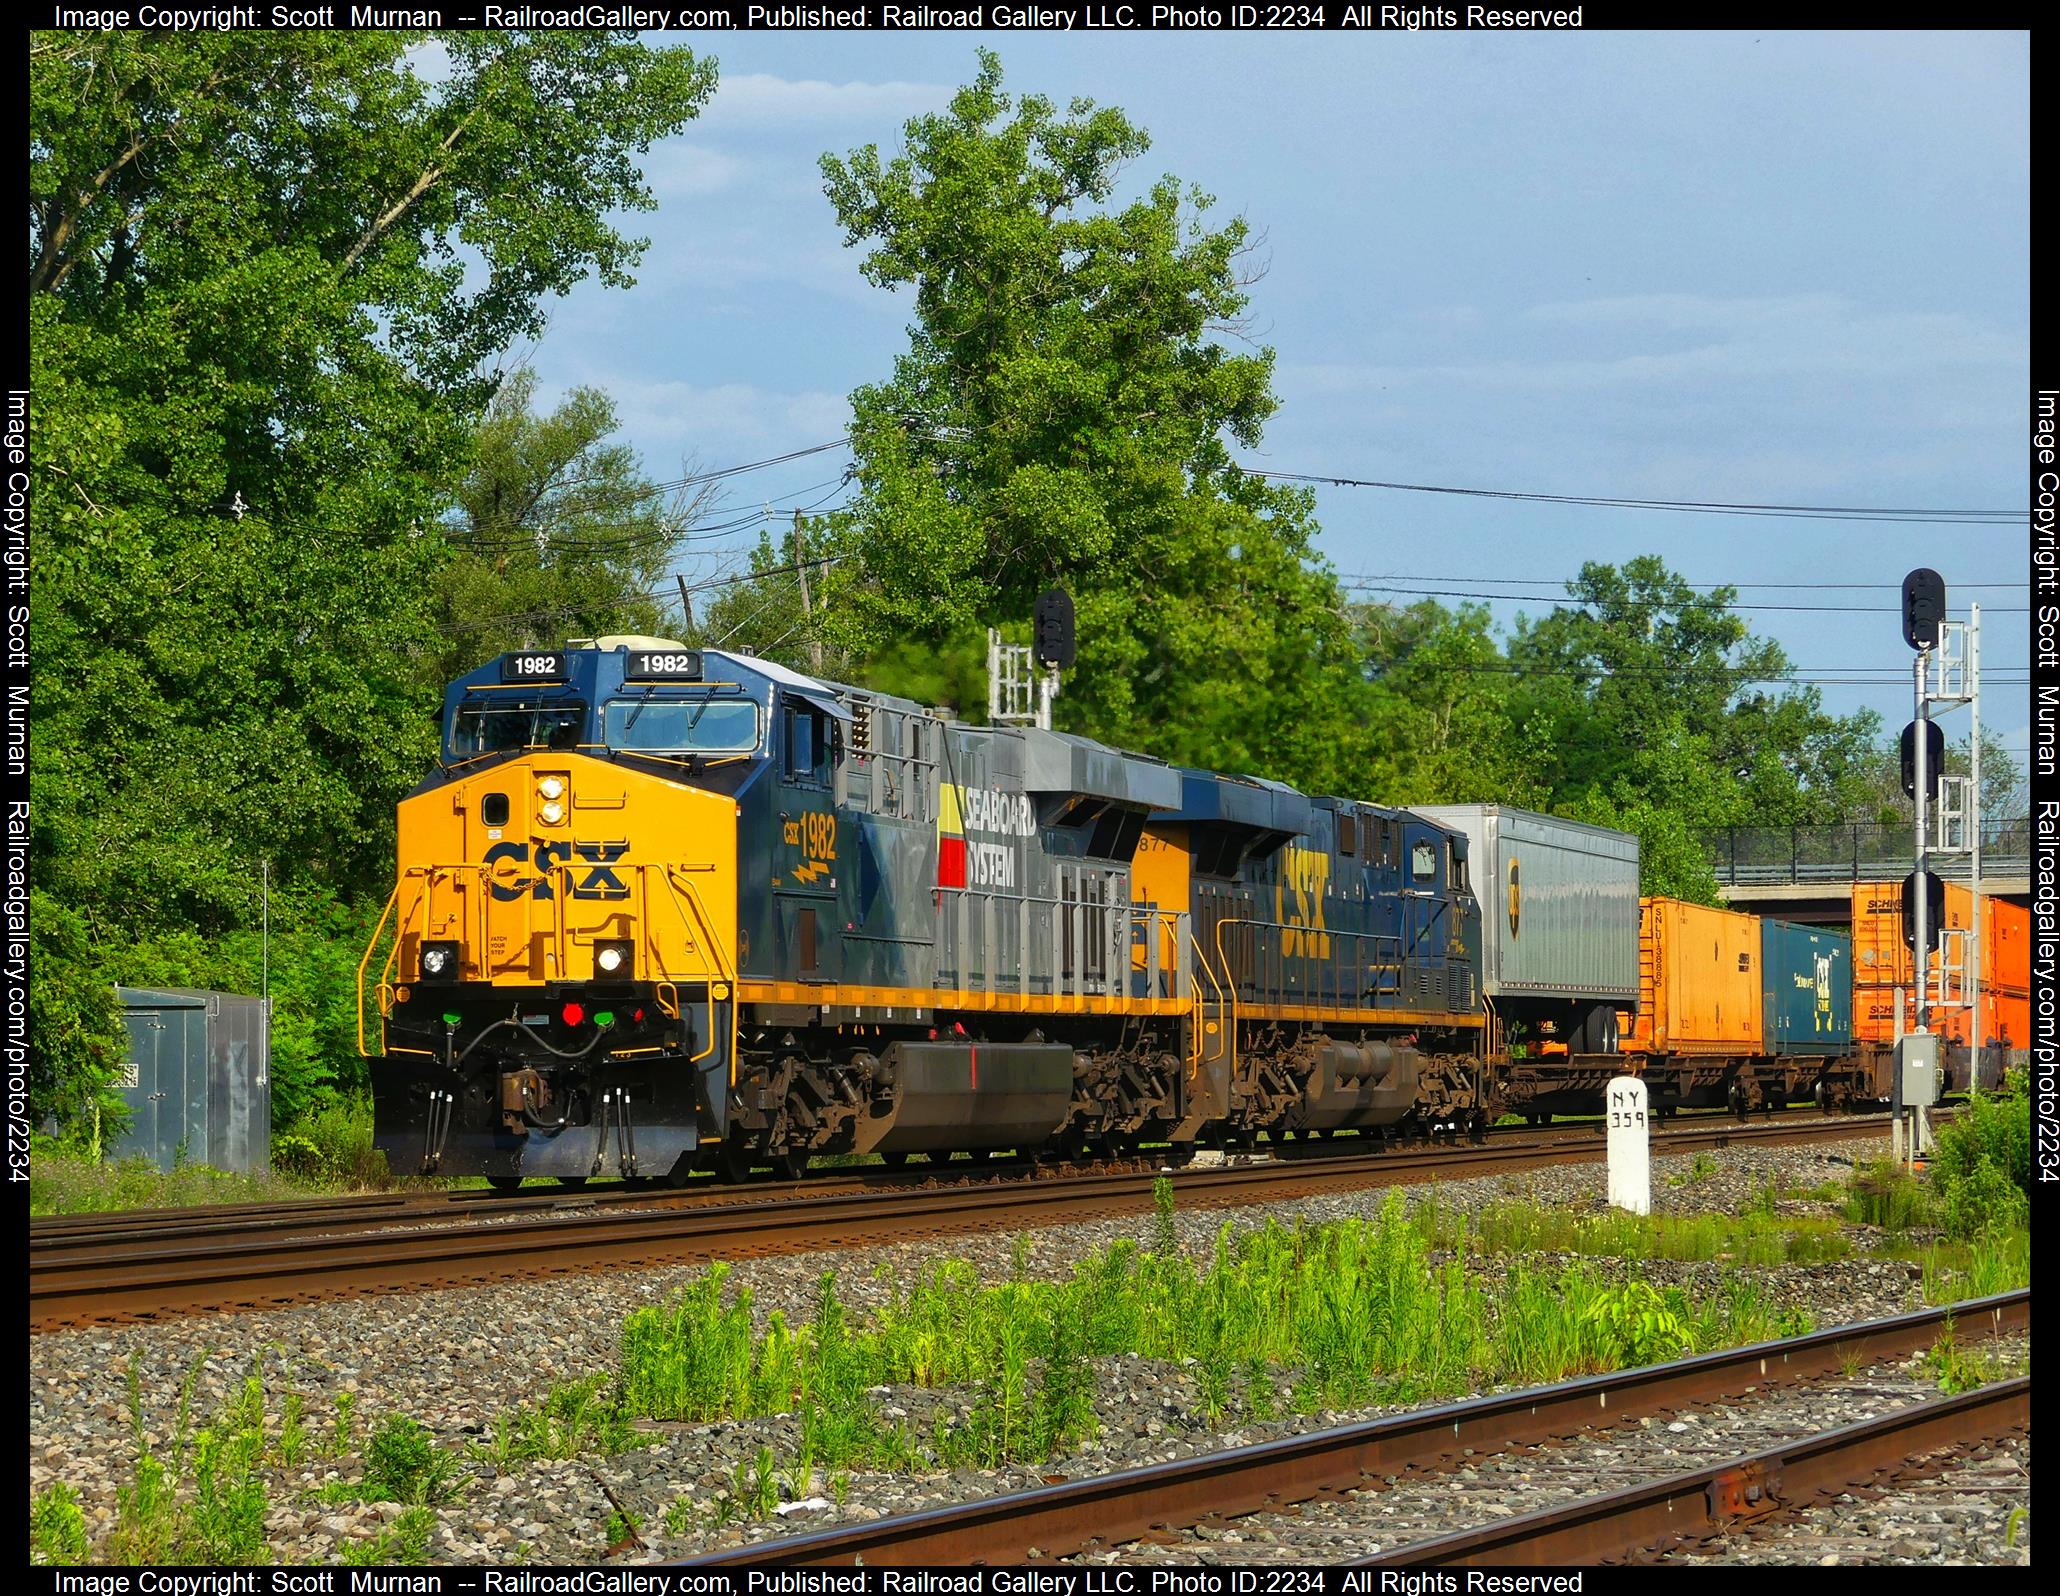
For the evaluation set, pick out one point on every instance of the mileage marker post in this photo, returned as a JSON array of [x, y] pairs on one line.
[[1630, 1146]]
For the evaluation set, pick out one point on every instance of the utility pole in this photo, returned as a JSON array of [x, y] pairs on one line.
[[686, 604], [815, 643]]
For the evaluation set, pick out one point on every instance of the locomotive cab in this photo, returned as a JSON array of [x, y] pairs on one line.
[[557, 963]]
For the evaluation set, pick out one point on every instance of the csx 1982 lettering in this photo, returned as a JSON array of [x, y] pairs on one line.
[[532, 667]]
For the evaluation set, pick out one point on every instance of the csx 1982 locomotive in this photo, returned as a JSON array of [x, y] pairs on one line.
[[661, 908]]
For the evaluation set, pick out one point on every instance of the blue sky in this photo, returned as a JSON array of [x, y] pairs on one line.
[[1765, 268]]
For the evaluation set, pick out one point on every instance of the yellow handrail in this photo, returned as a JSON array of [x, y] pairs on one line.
[[722, 965], [1202, 964], [363, 1051]]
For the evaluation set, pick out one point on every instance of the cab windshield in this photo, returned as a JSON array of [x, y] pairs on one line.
[[702, 725], [493, 726]]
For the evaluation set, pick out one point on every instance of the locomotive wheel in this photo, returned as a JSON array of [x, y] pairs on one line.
[[938, 1158], [1178, 1155], [788, 1165], [895, 1160], [681, 1172], [732, 1160], [505, 1182], [574, 1182]]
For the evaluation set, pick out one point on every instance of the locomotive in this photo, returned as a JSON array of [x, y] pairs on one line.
[[661, 908]]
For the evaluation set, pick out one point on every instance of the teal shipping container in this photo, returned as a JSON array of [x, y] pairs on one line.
[[1808, 991]]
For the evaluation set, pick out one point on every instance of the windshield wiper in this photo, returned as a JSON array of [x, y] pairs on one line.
[[633, 714], [700, 709]]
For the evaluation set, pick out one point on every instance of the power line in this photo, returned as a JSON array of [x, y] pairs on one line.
[[1807, 512], [1566, 581], [1355, 586]]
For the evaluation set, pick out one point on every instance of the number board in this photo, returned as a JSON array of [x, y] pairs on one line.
[[532, 667], [663, 665]]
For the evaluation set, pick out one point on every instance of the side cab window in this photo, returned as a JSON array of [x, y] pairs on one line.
[[807, 738]]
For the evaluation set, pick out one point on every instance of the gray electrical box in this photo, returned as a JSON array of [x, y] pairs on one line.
[[1916, 1069]]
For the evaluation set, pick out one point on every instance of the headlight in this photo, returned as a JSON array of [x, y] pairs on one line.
[[552, 813], [551, 787], [439, 960], [612, 958]]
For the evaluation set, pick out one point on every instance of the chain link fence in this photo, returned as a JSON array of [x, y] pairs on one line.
[[1759, 855]]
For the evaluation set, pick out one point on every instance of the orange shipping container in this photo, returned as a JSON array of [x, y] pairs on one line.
[[1881, 959], [2006, 948], [1880, 955], [1698, 980], [2006, 1017]]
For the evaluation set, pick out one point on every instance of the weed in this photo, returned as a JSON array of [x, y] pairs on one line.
[[1165, 1237], [1954, 1369], [2012, 1525], [1349, 1312], [1883, 1193], [583, 1416], [754, 1487], [1638, 1326], [840, 1488], [342, 1429], [681, 1516], [57, 1527], [406, 1543], [622, 1526], [293, 1434], [1989, 1263], [404, 1464]]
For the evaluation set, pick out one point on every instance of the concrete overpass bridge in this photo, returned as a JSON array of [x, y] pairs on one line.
[[1806, 873]]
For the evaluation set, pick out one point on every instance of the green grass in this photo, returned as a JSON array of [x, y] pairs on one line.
[[327, 1152], [1756, 1240], [61, 1185], [1333, 1315], [1990, 1263]]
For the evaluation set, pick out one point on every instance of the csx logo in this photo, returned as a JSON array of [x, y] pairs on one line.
[[1298, 903], [599, 881]]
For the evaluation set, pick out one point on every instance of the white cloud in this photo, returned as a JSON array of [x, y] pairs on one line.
[[676, 168], [723, 425], [759, 99]]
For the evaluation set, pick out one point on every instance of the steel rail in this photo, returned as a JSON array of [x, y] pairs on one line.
[[373, 1209], [158, 1271], [1110, 1509], [1726, 1496]]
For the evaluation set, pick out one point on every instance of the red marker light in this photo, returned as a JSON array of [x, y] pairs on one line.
[[638, 1016], [572, 1013]]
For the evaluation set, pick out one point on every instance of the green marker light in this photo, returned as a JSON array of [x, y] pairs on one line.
[[452, 1019], [605, 1018]]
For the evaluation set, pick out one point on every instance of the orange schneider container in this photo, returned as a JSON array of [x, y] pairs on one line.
[[1698, 980], [2006, 947], [1881, 964]]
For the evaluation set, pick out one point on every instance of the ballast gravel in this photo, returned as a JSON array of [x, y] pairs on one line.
[[456, 1359], [1403, 1510]]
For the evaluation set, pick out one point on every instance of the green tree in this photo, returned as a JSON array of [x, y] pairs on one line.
[[1440, 696], [556, 532], [1065, 412], [1649, 705], [266, 272]]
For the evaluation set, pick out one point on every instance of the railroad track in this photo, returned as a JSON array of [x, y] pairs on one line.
[[152, 1266], [1108, 1511]]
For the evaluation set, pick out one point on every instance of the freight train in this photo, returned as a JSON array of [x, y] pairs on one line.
[[660, 908]]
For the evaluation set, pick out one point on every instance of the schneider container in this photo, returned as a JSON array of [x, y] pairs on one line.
[[1559, 918], [1807, 990], [1882, 966], [1699, 988]]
